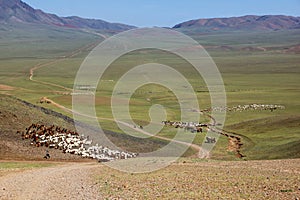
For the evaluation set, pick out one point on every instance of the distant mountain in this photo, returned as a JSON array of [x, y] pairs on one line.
[[249, 22], [16, 11]]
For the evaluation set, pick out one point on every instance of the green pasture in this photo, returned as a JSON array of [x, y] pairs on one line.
[[19, 42], [275, 39], [250, 76]]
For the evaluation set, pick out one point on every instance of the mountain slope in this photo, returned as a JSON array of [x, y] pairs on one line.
[[249, 22], [16, 11]]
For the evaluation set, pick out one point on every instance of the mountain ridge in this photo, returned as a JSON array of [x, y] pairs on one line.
[[17, 11], [247, 22]]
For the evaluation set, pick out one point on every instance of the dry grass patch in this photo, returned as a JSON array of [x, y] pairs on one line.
[[206, 180]]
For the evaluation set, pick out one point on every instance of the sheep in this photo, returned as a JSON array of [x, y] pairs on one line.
[[241, 108], [70, 142]]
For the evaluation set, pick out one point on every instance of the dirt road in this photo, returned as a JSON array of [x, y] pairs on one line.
[[68, 181], [57, 60]]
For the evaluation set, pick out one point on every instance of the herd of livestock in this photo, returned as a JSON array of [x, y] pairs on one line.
[[191, 127], [247, 107], [70, 142], [187, 126]]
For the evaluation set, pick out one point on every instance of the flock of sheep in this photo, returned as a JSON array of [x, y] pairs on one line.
[[246, 107], [70, 142]]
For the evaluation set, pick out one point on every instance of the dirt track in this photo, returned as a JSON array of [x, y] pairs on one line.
[[70, 55], [69, 181]]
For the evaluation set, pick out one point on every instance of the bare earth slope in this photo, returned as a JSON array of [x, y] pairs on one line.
[[15, 116]]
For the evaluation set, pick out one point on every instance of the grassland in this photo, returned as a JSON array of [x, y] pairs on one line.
[[263, 74]]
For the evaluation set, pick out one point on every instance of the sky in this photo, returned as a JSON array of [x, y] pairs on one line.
[[164, 13]]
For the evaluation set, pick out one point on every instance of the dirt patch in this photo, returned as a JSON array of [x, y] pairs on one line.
[[294, 49], [234, 141], [6, 87]]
